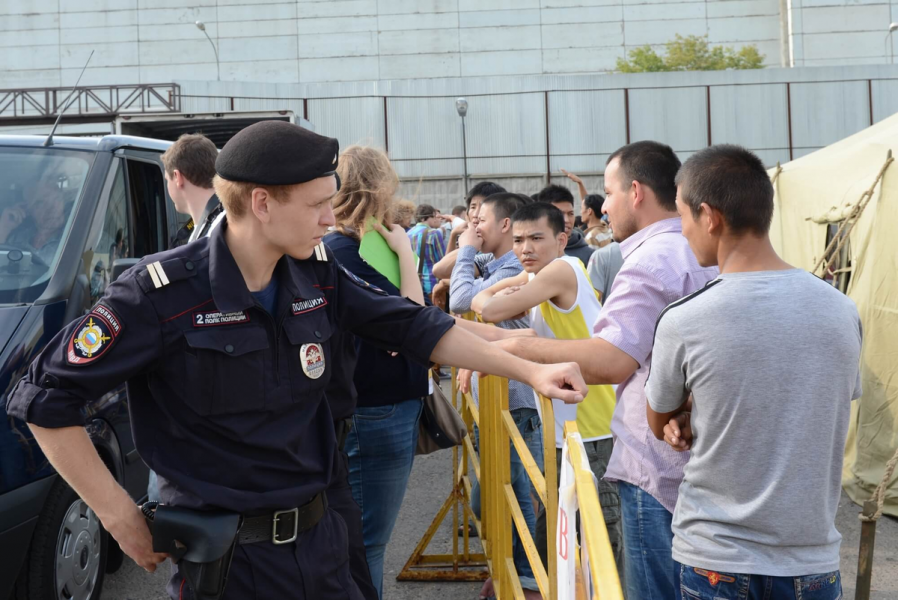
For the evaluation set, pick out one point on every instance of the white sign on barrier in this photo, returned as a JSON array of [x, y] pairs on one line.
[[567, 526]]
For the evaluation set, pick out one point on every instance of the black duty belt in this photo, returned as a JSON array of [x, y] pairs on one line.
[[282, 526], [341, 429]]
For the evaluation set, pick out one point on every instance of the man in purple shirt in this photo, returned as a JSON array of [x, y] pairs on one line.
[[659, 268]]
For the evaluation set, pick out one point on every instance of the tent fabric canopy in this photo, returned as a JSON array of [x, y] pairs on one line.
[[812, 193]]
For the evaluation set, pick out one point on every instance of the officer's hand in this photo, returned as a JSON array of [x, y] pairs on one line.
[[470, 238], [133, 536], [396, 238], [678, 432], [562, 381]]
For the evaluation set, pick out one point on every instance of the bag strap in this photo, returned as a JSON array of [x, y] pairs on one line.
[[421, 251]]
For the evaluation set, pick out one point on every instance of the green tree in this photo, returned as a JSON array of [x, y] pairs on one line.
[[690, 53]]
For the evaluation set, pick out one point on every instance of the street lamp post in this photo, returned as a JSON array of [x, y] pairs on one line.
[[202, 27], [890, 50], [461, 105]]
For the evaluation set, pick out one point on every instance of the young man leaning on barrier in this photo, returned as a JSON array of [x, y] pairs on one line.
[[492, 236], [556, 293], [770, 356], [659, 268]]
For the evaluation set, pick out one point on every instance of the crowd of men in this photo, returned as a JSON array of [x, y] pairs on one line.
[[712, 393]]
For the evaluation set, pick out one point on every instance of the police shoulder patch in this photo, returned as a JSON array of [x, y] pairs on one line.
[[93, 337], [361, 282]]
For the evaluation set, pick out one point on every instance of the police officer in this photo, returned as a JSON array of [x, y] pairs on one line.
[[224, 344]]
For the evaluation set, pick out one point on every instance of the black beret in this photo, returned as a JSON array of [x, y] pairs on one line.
[[277, 153]]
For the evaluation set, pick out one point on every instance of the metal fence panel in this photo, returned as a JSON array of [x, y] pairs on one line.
[[585, 128], [350, 120], [885, 99], [506, 134], [421, 130], [736, 118], [675, 116], [823, 113]]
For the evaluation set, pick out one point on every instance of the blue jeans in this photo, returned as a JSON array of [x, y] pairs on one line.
[[381, 450], [649, 568], [701, 584], [530, 426]]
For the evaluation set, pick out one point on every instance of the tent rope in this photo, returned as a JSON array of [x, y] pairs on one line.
[[776, 174], [831, 253], [879, 494]]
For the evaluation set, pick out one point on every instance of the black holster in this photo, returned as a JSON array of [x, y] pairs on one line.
[[201, 542]]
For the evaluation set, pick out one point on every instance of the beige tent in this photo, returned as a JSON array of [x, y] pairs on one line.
[[814, 196]]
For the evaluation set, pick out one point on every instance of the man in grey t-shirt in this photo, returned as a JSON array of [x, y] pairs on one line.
[[770, 356], [603, 267]]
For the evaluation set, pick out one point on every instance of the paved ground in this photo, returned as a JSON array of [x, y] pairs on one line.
[[428, 488]]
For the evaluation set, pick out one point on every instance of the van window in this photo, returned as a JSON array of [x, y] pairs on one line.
[[39, 188], [147, 190], [115, 238]]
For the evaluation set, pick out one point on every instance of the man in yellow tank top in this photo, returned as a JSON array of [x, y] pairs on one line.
[[562, 304]]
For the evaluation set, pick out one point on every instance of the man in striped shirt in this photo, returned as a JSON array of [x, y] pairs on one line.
[[428, 244], [659, 268]]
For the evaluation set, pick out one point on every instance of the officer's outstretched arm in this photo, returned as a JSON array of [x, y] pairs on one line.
[[463, 349], [427, 334], [119, 338]]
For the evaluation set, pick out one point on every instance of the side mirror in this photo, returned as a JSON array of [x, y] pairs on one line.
[[121, 265]]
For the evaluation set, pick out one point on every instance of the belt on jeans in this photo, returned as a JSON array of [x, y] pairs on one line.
[[283, 526], [341, 429]]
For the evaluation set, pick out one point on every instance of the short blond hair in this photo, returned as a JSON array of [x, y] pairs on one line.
[[368, 182], [236, 195]]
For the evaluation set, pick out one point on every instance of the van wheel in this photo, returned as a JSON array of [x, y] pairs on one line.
[[67, 557]]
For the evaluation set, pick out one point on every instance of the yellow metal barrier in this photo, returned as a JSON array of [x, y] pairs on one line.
[[500, 507], [500, 510], [605, 582], [462, 564]]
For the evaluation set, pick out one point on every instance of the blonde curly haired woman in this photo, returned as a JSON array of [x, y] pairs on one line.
[[381, 443], [404, 213]]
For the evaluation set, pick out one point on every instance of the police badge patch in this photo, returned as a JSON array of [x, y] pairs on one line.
[[311, 357], [93, 337]]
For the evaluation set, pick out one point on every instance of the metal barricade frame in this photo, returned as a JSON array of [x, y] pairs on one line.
[[500, 510]]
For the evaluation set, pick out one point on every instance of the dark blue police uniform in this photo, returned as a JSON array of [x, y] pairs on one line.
[[228, 401]]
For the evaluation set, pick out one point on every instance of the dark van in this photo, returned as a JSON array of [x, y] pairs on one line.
[[73, 216]]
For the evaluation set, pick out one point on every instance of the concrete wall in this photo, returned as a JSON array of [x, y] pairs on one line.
[[848, 32], [45, 42]]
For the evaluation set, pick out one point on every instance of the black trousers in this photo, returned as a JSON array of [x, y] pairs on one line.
[[339, 498], [314, 567]]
